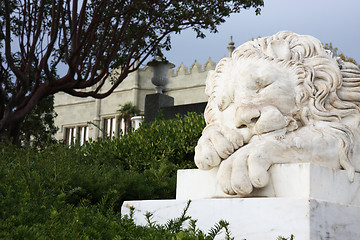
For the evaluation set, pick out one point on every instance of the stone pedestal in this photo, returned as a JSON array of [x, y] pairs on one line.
[[305, 200], [261, 218], [298, 180], [153, 103]]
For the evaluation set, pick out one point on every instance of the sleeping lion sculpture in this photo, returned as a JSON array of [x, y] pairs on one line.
[[279, 99]]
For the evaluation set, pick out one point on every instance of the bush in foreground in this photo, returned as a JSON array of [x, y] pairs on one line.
[[52, 186]]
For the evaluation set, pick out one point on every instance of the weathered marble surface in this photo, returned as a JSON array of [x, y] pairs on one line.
[[279, 99], [297, 180], [261, 218]]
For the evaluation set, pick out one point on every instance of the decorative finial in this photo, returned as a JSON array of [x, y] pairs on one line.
[[230, 46]]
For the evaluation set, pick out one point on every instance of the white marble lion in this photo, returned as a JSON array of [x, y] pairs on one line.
[[279, 99]]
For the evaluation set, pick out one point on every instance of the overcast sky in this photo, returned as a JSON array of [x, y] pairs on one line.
[[328, 20]]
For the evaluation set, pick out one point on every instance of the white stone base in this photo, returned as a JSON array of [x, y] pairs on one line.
[[298, 180], [308, 201], [260, 218]]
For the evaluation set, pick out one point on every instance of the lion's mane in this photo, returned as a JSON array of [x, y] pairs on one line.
[[328, 89]]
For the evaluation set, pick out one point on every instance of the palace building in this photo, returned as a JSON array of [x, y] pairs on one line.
[[82, 118]]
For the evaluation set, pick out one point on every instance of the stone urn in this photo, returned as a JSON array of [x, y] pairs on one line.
[[161, 69]]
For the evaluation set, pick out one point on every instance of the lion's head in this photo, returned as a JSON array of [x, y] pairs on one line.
[[285, 81]]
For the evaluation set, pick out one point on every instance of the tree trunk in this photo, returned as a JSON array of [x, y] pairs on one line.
[[127, 125], [11, 133]]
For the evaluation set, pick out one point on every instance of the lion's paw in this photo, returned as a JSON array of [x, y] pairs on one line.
[[243, 170], [216, 145]]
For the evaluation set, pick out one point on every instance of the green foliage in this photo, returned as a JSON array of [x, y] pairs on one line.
[[59, 193], [93, 222], [42, 192], [160, 141], [51, 187], [174, 228], [338, 53], [292, 237], [127, 111], [38, 127]]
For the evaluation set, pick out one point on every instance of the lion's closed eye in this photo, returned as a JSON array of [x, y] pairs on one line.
[[258, 83], [262, 87]]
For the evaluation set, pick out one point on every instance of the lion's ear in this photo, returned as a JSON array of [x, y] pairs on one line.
[[279, 49]]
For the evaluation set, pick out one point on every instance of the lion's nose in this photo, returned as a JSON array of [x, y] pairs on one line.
[[246, 116]]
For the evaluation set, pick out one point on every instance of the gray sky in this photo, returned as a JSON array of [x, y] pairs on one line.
[[328, 20]]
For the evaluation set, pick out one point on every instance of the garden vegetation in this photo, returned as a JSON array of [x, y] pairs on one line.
[[76, 192]]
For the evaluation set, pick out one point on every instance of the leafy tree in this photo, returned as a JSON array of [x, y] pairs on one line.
[[38, 127], [87, 40], [337, 53], [127, 111]]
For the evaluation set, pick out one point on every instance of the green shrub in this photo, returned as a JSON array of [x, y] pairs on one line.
[[101, 222], [59, 193], [162, 140], [49, 187]]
